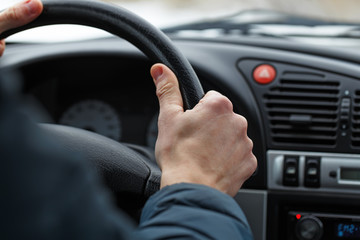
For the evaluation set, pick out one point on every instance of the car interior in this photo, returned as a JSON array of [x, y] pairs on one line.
[[301, 101]]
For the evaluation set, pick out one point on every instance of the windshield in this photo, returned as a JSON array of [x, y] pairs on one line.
[[272, 18], [165, 12]]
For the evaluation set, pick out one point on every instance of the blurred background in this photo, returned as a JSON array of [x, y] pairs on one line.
[[167, 13], [189, 10], [162, 12]]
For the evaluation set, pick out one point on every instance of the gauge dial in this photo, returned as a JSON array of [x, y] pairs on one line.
[[93, 115], [152, 132]]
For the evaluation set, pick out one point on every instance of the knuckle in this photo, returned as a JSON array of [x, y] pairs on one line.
[[252, 158], [252, 164], [227, 103], [164, 89], [243, 122], [12, 14], [220, 103], [250, 144]]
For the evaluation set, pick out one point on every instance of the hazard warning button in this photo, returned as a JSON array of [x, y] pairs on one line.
[[264, 74]]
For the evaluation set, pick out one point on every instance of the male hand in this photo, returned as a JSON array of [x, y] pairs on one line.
[[18, 15], [206, 145]]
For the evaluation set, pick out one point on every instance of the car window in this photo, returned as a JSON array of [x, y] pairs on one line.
[[161, 11], [336, 10], [328, 21]]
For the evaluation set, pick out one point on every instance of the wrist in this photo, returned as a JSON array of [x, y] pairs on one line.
[[196, 177]]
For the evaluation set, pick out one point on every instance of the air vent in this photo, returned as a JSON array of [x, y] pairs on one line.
[[355, 136], [303, 112]]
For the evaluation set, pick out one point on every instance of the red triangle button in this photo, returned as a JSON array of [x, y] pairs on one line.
[[264, 74]]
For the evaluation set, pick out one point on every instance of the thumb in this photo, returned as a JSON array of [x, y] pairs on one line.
[[167, 89], [20, 14]]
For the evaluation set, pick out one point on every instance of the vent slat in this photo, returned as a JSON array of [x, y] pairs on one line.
[[297, 81], [304, 136], [357, 110], [311, 104], [310, 101], [356, 118], [356, 122], [324, 129], [355, 130], [302, 111], [302, 97], [308, 89], [357, 101], [314, 120], [305, 142]]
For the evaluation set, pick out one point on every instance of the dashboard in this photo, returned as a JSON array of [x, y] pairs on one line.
[[110, 95], [304, 121]]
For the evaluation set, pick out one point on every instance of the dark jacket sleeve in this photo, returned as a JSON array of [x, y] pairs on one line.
[[48, 193], [191, 211]]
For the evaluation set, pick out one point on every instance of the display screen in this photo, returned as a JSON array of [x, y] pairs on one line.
[[348, 230], [350, 174]]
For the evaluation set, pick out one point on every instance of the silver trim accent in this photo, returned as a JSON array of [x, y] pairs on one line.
[[329, 162], [254, 205]]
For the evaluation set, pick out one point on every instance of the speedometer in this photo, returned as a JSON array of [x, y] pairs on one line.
[[93, 115]]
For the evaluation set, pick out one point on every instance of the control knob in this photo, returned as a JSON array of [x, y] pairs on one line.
[[309, 228]]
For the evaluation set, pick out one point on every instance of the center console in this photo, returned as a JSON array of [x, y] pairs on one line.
[[313, 196]]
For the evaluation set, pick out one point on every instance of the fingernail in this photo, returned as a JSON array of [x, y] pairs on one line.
[[32, 6], [157, 73]]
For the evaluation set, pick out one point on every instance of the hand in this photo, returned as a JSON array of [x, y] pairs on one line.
[[206, 145], [18, 15]]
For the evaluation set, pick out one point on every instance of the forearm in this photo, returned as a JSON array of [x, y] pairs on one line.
[[191, 211]]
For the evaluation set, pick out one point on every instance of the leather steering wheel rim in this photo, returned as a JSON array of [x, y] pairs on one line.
[[122, 23], [113, 160]]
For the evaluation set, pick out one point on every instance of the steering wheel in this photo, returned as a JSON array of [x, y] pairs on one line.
[[124, 170]]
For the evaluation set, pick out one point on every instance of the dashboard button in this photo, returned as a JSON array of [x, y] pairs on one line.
[[312, 172], [264, 74], [333, 174], [290, 171]]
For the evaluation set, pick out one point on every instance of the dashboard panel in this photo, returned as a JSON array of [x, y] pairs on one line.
[[114, 81], [120, 84], [304, 123]]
